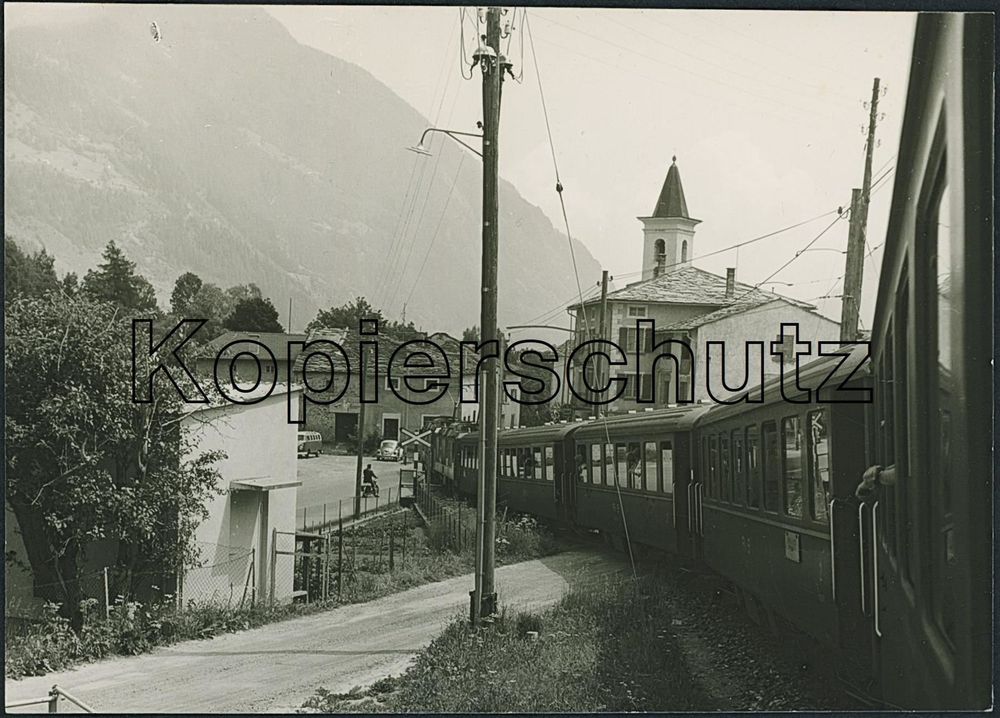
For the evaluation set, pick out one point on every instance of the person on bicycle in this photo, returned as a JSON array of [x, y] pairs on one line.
[[368, 479]]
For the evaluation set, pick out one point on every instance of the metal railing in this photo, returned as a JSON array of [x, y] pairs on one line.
[[52, 699]]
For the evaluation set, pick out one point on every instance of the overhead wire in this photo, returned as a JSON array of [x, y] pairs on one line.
[[576, 273], [766, 99]]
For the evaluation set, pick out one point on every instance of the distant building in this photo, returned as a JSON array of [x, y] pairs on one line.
[[245, 351], [690, 304], [390, 414]]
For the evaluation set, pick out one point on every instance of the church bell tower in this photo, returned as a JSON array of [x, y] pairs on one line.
[[668, 234]]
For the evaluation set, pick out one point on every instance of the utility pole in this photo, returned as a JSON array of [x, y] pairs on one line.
[[289, 315], [602, 330], [854, 271], [484, 598], [361, 432]]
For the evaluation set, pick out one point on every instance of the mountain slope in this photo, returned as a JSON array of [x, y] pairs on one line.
[[230, 150]]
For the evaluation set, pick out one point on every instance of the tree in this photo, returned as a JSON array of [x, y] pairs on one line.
[[347, 316], [185, 289], [242, 292], [115, 280], [83, 462], [254, 315], [471, 334], [27, 274], [213, 305]]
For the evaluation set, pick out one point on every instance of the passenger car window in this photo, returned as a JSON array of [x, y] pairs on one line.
[[819, 464], [791, 454], [667, 466], [753, 468], [650, 474], [549, 471], [771, 468]]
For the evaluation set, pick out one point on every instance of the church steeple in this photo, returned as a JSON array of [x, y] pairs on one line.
[[671, 202], [668, 234]]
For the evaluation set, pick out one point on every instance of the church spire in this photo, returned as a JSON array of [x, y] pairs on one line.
[[671, 202]]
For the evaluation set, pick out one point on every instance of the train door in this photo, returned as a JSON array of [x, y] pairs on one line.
[[697, 458], [564, 487], [676, 465], [851, 558]]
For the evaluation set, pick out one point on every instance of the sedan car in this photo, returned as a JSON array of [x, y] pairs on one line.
[[389, 450]]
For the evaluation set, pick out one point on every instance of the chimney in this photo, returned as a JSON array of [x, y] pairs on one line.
[[730, 282]]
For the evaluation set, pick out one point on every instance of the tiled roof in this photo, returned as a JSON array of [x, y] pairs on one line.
[[683, 285], [751, 301], [348, 341], [671, 202], [277, 342]]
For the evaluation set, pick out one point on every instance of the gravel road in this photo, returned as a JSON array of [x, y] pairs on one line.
[[274, 668]]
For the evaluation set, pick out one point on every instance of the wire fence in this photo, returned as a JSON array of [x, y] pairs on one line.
[[220, 574], [327, 515], [451, 524], [341, 558]]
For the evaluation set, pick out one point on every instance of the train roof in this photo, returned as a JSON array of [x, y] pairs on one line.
[[546, 432], [829, 372], [674, 418]]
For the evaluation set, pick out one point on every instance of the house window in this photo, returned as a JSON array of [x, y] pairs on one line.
[[637, 310], [392, 383]]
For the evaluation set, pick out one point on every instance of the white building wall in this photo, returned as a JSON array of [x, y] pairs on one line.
[[258, 442], [762, 324]]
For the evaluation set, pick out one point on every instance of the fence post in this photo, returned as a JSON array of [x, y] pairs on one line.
[[274, 559], [54, 699], [460, 528], [326, 559], [304, 508], [340, 557], [392, 545], [406, 530], [107, 602], [324, 518]]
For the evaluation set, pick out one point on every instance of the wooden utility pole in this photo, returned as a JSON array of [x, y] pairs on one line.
[[289, 315], [484, 598], [602, 331], [361, 432], [854, 271]]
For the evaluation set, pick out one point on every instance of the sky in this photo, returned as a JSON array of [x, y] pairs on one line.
[[764, 110]]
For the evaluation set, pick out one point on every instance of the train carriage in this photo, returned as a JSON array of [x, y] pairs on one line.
[[640, 464], [771, 477], [928, 510]]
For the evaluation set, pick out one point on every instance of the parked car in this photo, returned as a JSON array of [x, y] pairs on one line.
[[389, 450], [310, 443]]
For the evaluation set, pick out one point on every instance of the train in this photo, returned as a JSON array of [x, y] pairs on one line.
[[866, 524]]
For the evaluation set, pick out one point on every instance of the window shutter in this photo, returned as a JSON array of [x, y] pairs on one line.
[[648, 340], [623, 337]]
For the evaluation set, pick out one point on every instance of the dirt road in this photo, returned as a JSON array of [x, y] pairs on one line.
[[276, 667]]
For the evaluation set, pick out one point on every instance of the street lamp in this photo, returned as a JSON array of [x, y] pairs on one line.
[[420, 149]]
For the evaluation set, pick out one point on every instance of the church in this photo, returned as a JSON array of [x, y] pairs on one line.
[[674, 299]]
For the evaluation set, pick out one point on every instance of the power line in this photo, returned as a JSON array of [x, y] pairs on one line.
[[437, 229]]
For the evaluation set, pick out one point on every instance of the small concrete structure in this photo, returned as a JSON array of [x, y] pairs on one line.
[[257, 504]]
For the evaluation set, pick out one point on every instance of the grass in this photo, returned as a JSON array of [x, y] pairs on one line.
[[50, 644], [604, 647]]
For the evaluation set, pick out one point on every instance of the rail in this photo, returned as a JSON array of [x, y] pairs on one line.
[[55, 693]]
